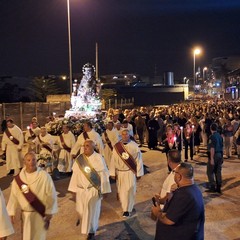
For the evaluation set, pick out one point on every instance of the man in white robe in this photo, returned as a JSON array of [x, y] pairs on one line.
[[41, 185], [110, 138], [89, 133], [12, 144], [66, 142], [32, 132], [6, 227], [88, 198], [44, 141], [126, 179]]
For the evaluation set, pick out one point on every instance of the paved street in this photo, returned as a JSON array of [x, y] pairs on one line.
[[222, 212]]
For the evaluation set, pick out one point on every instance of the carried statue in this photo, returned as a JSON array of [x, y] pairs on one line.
[[85, 96]]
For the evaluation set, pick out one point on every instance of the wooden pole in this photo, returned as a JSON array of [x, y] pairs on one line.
[[97, 74]]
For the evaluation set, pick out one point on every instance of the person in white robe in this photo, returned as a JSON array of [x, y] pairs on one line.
[[32, 132], [6, 228], [113, 136], [92, 135], [126, 179], [44, 141], [128, 126], [13, 150], [65, 160], [88, 198], [40, 183]]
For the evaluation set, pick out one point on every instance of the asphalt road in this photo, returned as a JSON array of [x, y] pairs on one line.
[[222, 211]]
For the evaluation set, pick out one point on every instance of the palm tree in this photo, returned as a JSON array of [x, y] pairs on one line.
[[41, 87]]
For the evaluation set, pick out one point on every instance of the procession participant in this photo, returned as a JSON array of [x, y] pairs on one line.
[[89, 133], [110, 138], [32, 132], [174, 159], [183, 215], [127, 163], [126, 125], [188, 140], [177, 131], [90, 179], [169, 142], [152, 128], [140, 127], [44, 141], [197, 134], [66, 142], [118, 127], [228, 131], [12, 144], [34, 192], [6, 227], [215, 160]]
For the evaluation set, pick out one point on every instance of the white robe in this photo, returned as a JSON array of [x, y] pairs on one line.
[[47, 139], [13, 155], [126, 179], [29, 139], [65, 160], [42, 186], [114, 138], [45, 153], [88, 201], [6, 227], [94, 136], [36, 131]]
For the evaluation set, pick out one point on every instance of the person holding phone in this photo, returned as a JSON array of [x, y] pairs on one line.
[[174, 159]]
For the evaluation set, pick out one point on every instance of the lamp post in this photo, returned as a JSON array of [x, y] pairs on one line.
[[204, 73], [196, 51], [69, 47]]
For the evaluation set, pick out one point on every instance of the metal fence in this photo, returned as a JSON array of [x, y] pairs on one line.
[[22, 113]]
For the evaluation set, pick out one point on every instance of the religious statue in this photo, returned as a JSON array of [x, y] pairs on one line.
[[85, 97]]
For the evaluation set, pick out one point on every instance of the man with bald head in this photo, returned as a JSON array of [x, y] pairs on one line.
[[90, 179], [34, 192], [183, 215], [127, 165]]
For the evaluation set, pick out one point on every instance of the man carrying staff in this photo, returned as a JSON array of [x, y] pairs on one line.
[[128, 165], [90, 179], [33, 190], [89, 133], [12, 143]]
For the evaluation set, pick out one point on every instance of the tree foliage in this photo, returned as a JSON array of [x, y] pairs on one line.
[[41, 87], [107, 93]]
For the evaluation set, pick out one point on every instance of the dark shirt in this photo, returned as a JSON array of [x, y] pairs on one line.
[[216, 142], [186, 210]]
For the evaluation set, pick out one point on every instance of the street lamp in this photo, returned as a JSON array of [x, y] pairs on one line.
[[69, 47], [204, 73], [196, 51]]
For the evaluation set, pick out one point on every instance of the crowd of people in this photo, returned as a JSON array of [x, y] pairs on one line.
[[91, 159]]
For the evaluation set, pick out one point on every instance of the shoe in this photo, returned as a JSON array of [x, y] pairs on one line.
[[90, 236], [211, 190], [218, 189], [186, 160], [11, 172], [126, 214]]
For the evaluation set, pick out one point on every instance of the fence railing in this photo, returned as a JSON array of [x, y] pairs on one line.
[[22, 113]]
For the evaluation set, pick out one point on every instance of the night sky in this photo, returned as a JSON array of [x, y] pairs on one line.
[[133, 35]]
